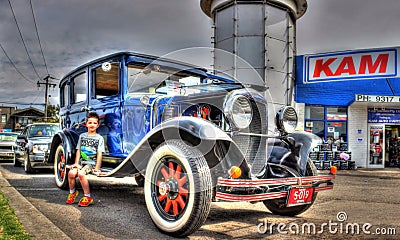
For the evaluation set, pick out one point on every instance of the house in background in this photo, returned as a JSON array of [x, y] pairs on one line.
[[14, 120]]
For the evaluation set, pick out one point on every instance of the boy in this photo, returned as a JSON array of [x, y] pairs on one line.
[[88, 159]]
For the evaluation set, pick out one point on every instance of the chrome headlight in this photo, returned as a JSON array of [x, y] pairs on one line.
[[37, 148], [286, 120], [238, 110]]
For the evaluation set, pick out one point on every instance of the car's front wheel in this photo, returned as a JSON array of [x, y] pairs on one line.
[[27, 164], [178, 188], [278, 206], [60, 168], [140, 180]]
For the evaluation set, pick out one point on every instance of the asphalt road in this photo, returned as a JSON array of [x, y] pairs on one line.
[[360, 198]]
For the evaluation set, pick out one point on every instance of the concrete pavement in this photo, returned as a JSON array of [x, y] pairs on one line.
[[40, 227], [34, 222]]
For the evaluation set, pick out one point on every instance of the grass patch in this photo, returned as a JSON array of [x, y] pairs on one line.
[[10, 227]]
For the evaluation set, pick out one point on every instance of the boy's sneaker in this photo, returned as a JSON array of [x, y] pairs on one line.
[[71, 197], [85, 201]]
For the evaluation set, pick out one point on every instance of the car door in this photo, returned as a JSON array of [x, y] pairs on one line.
[[105, 99], [77, 109]]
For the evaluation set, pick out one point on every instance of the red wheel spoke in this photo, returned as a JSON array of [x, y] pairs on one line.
[[183, 191], [182, 181], [175, 207], [162, 197], [164, 173], [168, 205], [178, 172], [171, 169], [181, 202]]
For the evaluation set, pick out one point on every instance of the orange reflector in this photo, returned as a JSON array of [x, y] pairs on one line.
[[235, 172], [333, 170]]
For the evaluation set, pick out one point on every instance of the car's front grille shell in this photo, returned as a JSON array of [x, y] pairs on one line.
[[253, 146]]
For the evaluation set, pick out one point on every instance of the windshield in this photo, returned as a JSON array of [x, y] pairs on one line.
[[43, 130], [164, 80], [8, 136]]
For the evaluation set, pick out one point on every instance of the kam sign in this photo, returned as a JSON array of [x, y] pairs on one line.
[[351, 65]]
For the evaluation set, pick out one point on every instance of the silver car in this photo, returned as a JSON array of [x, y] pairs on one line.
[[32, 146], [7, 144]]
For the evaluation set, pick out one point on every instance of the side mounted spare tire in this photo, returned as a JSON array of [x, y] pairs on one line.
[[178, 188]]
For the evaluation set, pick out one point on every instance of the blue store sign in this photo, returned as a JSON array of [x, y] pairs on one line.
[[384, 115]]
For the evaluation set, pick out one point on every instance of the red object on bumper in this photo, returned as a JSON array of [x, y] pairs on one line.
[[246, 183]]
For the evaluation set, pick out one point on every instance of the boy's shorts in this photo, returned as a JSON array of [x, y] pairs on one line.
[[86, 169]]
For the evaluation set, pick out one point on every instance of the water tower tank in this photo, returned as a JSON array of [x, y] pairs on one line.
[[262, 32]]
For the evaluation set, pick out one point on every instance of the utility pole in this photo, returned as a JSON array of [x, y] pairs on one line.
[[46, 96]]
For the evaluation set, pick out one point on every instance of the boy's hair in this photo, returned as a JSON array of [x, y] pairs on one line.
[[92, 115]]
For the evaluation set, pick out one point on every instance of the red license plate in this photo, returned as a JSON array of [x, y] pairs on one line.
[[299, 195]]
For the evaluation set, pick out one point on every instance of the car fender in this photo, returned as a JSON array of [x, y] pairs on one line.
[[67, 139], [220, 150]]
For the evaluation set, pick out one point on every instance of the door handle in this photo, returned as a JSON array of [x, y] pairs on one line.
[[83, 109]]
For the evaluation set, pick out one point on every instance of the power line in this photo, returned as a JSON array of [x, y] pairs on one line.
[[37, 34], [9, 59], [21, 103], [23, 41]]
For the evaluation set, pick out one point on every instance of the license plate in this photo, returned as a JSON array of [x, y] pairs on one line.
[[299, 195]]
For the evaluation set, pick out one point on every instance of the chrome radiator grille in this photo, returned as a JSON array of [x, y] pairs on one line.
[[254, 147]]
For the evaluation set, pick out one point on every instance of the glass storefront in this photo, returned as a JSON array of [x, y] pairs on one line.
[[329, 123]]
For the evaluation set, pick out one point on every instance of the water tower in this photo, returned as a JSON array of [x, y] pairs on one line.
[[262, 32]]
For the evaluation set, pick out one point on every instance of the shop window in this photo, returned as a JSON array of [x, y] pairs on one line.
[[329, 123], [337, 131], [4, 118], [336, 113], [316, 127], [314, 112]]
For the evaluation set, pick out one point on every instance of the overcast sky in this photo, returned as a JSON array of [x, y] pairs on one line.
[[75, 31]]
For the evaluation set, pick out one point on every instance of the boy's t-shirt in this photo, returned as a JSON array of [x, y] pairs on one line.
[[89, 146]]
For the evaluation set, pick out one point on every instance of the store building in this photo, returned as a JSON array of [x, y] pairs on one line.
[[353, 98]]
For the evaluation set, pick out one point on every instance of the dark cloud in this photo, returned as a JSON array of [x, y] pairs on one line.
[[73, 32], [333, 25], [76, 31]]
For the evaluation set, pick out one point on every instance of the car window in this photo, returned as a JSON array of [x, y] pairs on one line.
[[64, 94], [105, 80], [79, 87], [43, 130], [158, 79]]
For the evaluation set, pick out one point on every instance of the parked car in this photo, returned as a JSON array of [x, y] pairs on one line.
[[32, 146], [7, 144], [188, 136]]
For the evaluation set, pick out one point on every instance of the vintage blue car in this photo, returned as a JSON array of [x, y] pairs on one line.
[[189, 137]]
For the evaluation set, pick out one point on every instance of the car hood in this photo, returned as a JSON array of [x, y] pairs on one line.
[[40, 140], [7, 143]]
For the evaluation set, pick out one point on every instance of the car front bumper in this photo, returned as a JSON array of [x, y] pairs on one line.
[[251, 190]]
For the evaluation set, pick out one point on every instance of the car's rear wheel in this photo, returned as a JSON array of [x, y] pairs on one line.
[[16, 162], [178, 188], [278, 206], [60, 168], [27, 164]]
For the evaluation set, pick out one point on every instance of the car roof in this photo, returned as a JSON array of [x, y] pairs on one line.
[[127, 53]]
